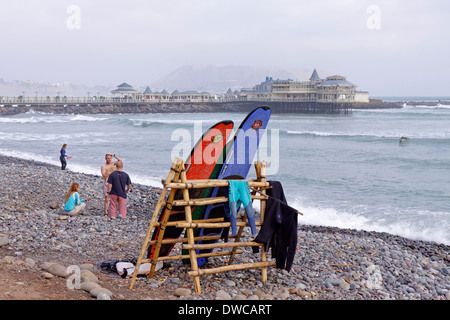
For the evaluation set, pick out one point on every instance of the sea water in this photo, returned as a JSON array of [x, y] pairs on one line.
[[348, 171]]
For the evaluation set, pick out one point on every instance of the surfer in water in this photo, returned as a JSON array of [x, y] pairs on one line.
[[403, 139], [107, 168]]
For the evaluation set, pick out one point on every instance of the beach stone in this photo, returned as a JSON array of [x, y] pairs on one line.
[[283, 294], [175, 280], [56, 269], [300, 286], [334, 281], [103, 296], [53, 205], [86, 266], [88, 276], [259, 294], [229, 283], [181, 292], [46, 265], [4, 240], [222, 295], [30, 262], [344, 285], [375, 279], [96, 291], [302, 293], [47, 275], [8, 260], [88, 286], [19, 263]]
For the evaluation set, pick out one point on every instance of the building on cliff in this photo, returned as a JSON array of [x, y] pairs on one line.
[[333, 89]]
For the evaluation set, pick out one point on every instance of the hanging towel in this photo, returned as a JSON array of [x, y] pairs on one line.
[[239, 193]]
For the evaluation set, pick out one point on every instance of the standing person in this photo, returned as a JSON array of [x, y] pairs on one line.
[[63, 156], [72, 202], [119, 184], [106, 169]]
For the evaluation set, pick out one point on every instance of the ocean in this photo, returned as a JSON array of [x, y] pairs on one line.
[[346, 171]]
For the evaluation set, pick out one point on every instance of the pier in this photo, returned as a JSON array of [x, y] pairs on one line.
[[116, 105], [83, 105]]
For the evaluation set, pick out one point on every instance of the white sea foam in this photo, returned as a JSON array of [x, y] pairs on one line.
[[50, 118], [390, 135], [437, 106], [50, 160], [345, 134], [19, 120], [313, 133], [81, 117], [29, 156], [81, 168], [146, 180], [185, 123], [411, 229], [80, 137]]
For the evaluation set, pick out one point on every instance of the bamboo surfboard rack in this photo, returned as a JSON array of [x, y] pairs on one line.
[[176, 180]]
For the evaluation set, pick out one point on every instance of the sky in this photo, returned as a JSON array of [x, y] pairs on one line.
[[387, 47]]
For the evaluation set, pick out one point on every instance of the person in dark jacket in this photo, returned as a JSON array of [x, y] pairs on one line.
[[119, 184]]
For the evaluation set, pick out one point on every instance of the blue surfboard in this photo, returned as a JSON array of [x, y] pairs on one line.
[[240, 153]]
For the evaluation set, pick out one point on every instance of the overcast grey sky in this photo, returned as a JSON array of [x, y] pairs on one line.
[[387, 47]]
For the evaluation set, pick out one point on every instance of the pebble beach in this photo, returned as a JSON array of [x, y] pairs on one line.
[[330, 263]]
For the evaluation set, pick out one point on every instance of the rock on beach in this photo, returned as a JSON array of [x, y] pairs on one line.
[[330, 263]]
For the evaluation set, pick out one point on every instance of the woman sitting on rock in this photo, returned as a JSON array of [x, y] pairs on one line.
[[72, 203]]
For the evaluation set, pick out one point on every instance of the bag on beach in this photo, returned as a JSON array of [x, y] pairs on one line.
[[110, 265], [126, 267]]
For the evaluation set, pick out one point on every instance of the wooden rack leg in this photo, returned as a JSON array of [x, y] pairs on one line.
[[172, 175], [167, 212], [237, 239], [262, 178], [190, 234]]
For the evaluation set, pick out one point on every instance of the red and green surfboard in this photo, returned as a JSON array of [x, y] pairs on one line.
[[200, 164]]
